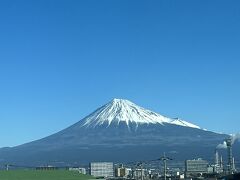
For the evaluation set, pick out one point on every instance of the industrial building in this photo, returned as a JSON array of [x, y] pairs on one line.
[[196, 166], [218, 163], [101, 169]]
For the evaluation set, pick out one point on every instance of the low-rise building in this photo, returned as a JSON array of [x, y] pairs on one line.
[[78, 169], [196, 166], [101, 169], [46, 168], [121, 172]]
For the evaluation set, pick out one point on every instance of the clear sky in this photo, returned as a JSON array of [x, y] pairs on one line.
[[60, 60]]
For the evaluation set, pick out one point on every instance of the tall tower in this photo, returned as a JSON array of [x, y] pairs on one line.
[[230, 156]]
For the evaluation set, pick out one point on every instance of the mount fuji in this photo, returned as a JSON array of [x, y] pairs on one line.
[[123, 111], [119, 131]]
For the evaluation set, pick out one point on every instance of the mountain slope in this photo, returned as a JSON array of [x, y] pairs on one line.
[[119, 131]]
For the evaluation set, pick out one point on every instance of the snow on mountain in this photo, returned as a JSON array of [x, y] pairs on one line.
[[120, 110], [180, 122]]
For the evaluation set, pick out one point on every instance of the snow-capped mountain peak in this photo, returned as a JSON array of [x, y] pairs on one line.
[[121, 110]]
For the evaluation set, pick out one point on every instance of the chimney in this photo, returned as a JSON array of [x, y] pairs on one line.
[[234, 168], [230, 156], [221, 162], [216, 157]]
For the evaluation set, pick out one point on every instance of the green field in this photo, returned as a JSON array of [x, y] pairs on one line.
[[42, 175]]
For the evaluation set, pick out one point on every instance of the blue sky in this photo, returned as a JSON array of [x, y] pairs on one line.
[[60, 60]]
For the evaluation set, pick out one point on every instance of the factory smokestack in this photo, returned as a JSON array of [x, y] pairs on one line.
[[234, 168], [216, 157], [230, 156], [221, 162]]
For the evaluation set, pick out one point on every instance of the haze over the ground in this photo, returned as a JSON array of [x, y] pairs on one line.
[[60, 60]]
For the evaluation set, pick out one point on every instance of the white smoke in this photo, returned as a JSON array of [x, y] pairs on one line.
[[234, 137], [222, 146]]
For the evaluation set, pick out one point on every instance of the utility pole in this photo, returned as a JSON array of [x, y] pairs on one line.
[[165, 159], [141, 168]]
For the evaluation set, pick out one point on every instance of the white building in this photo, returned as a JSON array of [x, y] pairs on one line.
[[196, 166], [101, 169], [140, 173], [78, 169]]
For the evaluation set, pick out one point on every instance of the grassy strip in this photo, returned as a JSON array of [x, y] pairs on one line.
[[42, 175]]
